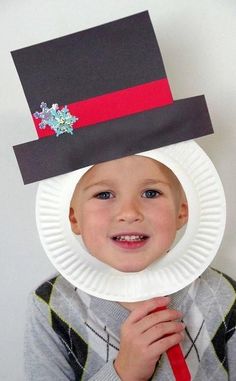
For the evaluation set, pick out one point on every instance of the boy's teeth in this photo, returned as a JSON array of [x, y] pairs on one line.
[[129, 237]]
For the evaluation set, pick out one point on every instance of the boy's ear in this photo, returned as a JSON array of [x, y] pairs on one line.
[[183, 215], [74, 222]]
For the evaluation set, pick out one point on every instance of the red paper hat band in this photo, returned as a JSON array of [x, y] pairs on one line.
[[115, 105]]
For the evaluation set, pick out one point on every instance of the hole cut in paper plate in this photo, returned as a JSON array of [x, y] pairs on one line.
[[186, 261]]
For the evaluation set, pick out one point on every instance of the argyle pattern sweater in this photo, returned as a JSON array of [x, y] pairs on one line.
[[73, 336]]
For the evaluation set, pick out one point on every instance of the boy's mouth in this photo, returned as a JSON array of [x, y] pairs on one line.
[[130, 237], [130, 240]]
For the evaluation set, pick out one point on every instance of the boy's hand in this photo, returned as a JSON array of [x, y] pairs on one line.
[[144, 337]]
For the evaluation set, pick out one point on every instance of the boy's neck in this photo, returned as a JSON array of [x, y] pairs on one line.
[[131, 305]]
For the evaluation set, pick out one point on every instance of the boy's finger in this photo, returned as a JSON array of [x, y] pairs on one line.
[[162, 330], [155, 318], [147, 307], [162, 345]]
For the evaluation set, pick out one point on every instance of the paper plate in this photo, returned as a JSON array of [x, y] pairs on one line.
[[182, 265]]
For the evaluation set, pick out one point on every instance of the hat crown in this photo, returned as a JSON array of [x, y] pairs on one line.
[[107, 58]]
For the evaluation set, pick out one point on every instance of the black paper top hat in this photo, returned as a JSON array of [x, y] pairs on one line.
[[105, 92]]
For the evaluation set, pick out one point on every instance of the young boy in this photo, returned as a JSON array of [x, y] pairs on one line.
[[127, 212], [110, 101]]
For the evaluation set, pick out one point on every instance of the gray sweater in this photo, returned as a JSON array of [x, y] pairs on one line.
[[73, 336]]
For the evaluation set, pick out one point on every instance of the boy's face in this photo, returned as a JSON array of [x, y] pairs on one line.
[[128, 211]]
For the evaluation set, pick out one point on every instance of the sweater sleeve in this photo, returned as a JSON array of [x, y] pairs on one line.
[[106, 373], [45, 355]]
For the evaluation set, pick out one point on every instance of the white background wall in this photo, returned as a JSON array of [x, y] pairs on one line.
[[198, 44]]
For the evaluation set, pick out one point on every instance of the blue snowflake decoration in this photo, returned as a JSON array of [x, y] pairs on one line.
[[60, 121]]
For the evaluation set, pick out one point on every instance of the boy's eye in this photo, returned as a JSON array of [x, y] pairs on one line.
[[151, 193], [104, 195]]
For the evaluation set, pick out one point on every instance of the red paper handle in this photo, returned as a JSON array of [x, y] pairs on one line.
[[177, 360]]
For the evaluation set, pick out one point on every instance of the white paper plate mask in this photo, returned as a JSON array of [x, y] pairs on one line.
[[172, 272]]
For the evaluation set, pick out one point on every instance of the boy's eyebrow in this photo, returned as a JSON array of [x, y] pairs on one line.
[[110, 183], [102, 182], [154, 181]]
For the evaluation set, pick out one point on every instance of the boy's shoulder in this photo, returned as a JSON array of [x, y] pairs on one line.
[[56, 286], [218, 281], [58, 301], [214, 294]]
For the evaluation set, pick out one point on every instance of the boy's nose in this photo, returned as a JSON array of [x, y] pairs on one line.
[[129, 212]]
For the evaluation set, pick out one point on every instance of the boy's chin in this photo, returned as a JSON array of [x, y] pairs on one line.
[[136, 267], [132, 268]]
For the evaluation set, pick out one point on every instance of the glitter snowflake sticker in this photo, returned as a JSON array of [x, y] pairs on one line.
[[60, 121]]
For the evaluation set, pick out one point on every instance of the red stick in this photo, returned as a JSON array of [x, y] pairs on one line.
[[176, 359]]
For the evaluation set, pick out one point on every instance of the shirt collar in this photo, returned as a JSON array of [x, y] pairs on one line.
[[113, 314]]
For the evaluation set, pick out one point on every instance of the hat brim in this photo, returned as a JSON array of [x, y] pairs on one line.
[[184, 262], [50, 156]]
